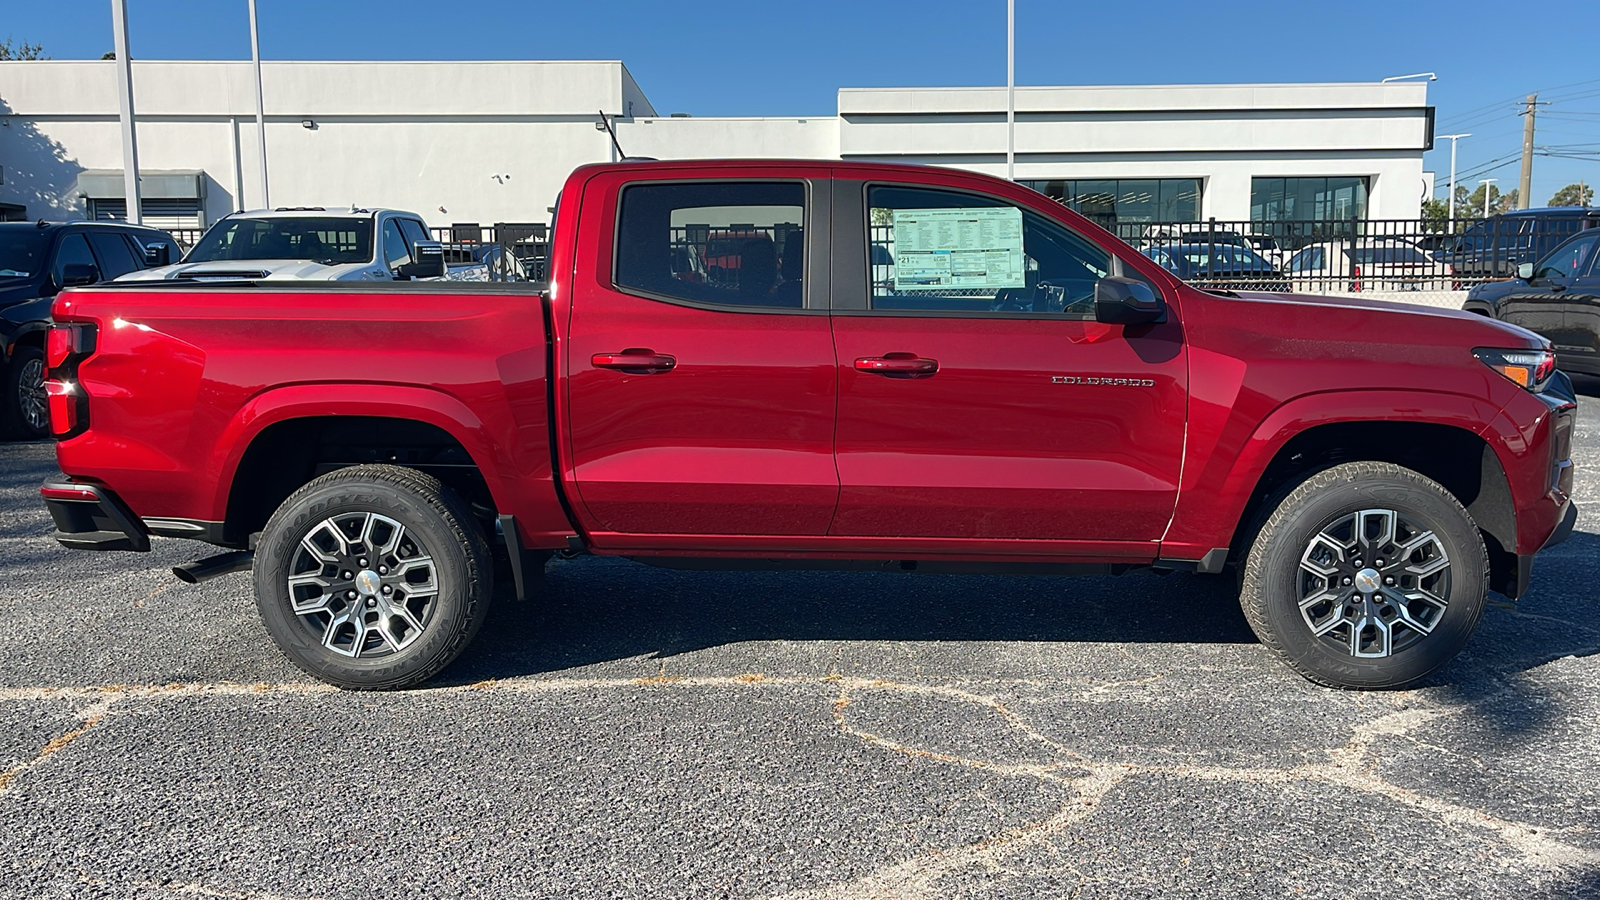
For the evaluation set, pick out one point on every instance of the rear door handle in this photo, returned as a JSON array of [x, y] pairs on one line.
[[898, 365], [635, 360]]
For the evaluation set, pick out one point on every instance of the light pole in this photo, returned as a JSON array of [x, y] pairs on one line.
[[1011, 90], [130, 146], [261, 116], [1453, 138], [1486, 182]]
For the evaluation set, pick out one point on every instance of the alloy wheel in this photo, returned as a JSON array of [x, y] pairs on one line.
[[31, 400], [1373, 583], [362, 585]]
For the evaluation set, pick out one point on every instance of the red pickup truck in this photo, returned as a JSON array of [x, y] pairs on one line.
[[1023, 393]]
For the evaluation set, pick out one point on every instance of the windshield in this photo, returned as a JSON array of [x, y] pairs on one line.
[[22, 253], [323, 240], [1227, 256]]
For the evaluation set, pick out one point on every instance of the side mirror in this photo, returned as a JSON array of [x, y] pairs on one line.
[[427, 261], [1127, 301], [75, 274], [157, 255], [1525, 271]]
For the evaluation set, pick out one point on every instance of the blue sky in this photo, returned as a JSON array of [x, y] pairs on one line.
[[783, 57]]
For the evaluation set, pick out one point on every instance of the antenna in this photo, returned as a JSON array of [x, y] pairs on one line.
[[605, 122]]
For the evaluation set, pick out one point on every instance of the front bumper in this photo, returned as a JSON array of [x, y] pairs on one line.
[[90, 517]]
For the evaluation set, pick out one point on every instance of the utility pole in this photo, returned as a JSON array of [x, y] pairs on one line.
[[130, 146], [261, 115], [1011, 90], [1525, 184], [1453, 138], [1488, 185]]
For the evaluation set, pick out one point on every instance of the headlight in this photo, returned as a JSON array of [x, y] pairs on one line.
[[1530, 369]]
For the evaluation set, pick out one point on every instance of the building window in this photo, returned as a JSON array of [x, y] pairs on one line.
[[157, 212], [1121, 201], [1308, 199]]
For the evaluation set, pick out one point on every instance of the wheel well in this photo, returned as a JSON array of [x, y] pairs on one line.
[[286, 455], [1460, 461]]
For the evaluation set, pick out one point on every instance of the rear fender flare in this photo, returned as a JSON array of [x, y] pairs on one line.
[[304, 401]]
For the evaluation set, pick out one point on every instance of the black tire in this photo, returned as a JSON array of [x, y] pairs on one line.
[[25, 384], [1293, 560], [369, 643]]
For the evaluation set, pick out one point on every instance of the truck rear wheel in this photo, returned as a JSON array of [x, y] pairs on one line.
[[1368, 575], [373, 577]]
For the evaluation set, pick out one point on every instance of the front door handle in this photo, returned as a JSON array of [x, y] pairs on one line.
[[898, 365], [635, 360]]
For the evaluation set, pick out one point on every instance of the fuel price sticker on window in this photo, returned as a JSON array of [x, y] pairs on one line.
[[942, 249]]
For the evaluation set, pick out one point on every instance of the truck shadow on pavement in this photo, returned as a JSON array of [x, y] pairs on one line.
[[595, 611]]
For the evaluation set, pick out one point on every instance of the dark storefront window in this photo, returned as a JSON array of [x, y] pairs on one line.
[[1109, 202], [1307, 199]]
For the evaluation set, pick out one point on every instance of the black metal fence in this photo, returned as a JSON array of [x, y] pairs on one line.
[[1309, 255], [1349, 255]]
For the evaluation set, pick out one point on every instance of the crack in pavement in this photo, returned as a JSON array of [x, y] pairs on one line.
[[1350, 766], [89, 716]]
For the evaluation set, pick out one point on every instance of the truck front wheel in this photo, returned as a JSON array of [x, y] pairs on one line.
[[1367, 575], [373, 577]]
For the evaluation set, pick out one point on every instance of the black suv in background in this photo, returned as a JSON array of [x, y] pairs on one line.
[[1496, 246], [37, 260], [1558, 297]]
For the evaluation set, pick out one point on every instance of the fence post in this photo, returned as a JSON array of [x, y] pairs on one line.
[[1350, 254]]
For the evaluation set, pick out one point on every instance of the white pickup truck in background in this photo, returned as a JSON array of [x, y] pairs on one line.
[[312, 243]]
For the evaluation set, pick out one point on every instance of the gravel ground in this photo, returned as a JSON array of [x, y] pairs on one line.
[[646, 733]]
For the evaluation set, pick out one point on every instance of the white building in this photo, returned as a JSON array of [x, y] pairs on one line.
[[487, 142]]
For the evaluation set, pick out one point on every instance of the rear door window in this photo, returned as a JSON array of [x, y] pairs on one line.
[[723, 243], [115, 257]]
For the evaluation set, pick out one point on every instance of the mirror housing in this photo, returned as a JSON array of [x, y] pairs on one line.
[[76, 274], [157, 255], [427, 261], [1525, 271], [1127, 301]]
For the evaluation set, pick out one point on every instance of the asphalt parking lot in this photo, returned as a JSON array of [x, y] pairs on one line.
[[646, 733]]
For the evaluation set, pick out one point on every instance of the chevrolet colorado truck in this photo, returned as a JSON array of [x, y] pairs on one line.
[[1023, 393]]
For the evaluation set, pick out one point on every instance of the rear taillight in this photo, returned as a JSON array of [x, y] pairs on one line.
[[66, 346]]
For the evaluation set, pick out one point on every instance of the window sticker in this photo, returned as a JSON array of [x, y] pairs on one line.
[[940, 249]]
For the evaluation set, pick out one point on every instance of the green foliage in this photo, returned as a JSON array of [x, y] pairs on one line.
[[1574, 195], [1499, 202], [24, 50]]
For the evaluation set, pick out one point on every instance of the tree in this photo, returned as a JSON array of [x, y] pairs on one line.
[[1435, 213], [23, 50], [1573, 195]]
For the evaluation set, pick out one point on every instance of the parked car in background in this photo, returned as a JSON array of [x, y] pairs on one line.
[[310, 243], [482, 262], [1390, 264], [1268, 248], [1557, 298], [1496, 246], [463, 262], [1219, 267], [37, 260], [1167, 234]]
